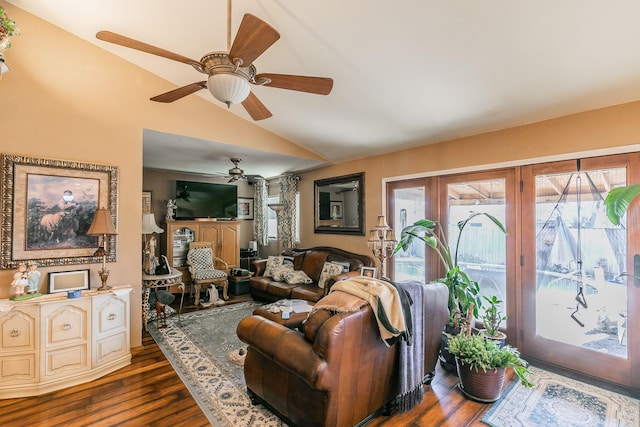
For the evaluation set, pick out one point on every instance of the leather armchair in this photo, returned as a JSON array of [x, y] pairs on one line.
[[336, 371]]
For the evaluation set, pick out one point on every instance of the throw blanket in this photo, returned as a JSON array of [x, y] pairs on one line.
[[389, 304], [403, 306], [412, 355]]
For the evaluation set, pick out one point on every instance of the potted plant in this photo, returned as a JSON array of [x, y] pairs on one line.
[[482, 365], [462, 290], [491, 320], [8, 29]]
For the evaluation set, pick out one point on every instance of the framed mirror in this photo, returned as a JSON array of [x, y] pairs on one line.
[[338, 205]]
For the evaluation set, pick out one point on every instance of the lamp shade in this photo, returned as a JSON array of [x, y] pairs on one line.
[[382, 222], [149, 224], [228, 88], [102, 224]]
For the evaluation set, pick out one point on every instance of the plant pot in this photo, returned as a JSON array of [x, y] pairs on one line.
[[498, 339], [485, 387], [447, 360]]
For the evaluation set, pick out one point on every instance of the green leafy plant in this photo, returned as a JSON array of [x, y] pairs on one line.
[[462, 290], [492, 318], [8, 27], [618, 200], [480, 353]]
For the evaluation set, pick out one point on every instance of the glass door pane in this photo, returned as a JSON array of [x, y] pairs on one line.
[[409, 207], [181, 239], [581, 297], [577, 269], [482, 249]]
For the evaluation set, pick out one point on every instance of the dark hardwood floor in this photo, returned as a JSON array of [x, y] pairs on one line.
[[150, 393]]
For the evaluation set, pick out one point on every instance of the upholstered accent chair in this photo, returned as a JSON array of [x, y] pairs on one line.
[[207, 269]]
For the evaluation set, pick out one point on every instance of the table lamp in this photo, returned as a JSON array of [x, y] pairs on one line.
[[102, 225], [149, 226]]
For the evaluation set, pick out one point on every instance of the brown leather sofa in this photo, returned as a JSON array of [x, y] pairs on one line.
[[336, 371], [311, 261]]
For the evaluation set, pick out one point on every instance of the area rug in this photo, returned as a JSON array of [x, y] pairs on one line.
[[197, 348], [560, 401]]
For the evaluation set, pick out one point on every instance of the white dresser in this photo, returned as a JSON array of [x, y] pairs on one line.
[[52, 342]]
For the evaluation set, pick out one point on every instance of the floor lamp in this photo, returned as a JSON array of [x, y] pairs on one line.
[[102, 225], [381, 241]]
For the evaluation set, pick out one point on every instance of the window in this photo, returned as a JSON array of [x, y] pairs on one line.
[[272, 224]]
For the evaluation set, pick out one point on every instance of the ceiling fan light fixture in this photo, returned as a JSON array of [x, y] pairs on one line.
[[228, 88]]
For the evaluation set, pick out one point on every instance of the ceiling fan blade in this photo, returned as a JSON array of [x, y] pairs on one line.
[[110, 37], [255, 108], [318, 85], [174, 95], [253, 38]]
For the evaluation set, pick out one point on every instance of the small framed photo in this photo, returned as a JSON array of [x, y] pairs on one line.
[[146, 202], [67, 281], [245, 208], [336, 209], [369, 272]]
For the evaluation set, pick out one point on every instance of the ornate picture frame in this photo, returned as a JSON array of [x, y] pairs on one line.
[[47, 207]]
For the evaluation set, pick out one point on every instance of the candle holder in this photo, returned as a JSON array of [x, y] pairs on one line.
[[381, 241]]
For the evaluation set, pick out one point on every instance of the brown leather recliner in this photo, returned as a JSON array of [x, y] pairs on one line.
[[337, 372]]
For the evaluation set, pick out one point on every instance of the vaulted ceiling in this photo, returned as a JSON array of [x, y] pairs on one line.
[[405, 73]]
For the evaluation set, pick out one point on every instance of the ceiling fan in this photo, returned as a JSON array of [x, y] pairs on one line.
[[232, 72], [235, 173]]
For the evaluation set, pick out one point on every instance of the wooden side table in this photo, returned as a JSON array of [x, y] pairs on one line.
[[160, 281]]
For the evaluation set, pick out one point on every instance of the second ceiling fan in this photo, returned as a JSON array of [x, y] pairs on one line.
[[231, 73]]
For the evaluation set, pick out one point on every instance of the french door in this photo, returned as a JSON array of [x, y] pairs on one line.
[[564, 273], [577, 288]]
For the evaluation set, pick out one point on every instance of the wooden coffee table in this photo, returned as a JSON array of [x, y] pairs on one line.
[[297, 310]]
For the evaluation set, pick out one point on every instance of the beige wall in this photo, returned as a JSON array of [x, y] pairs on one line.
[[65, 98], [611, 130]]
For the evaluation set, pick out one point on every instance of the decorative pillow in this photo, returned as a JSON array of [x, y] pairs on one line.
[[328, 270], [345, 265], [280, 273], [273, 262], [297, 277]]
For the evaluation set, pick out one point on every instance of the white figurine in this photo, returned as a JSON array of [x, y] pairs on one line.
[[171, 205], [33, 277], [20, 280]]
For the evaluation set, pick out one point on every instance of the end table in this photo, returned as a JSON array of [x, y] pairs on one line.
[[150, 281]]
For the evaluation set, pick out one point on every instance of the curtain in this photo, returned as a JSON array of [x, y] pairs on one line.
[[260, 215], [287, 219]]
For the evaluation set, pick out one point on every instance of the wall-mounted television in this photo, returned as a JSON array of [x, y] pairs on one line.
[[206, 200]]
